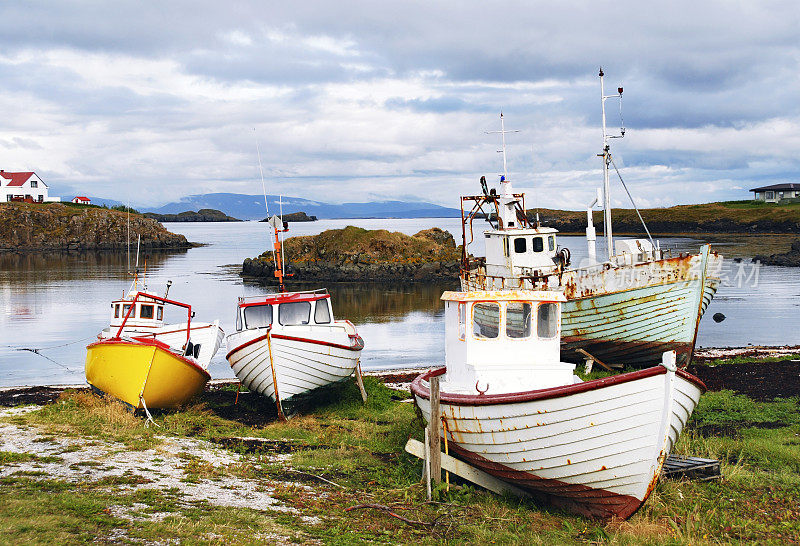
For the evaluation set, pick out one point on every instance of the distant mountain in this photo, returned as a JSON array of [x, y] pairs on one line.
[[251, 207]]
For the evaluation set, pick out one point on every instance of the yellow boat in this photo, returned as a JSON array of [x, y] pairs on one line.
[[144, 372]]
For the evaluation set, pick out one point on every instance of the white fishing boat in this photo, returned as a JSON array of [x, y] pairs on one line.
[[138, 314], [629, 306], [287, 345], [511, 408]]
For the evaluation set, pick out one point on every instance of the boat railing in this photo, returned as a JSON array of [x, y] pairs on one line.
[[143, 295], [249, 299]]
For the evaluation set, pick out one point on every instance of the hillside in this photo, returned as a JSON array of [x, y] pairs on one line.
[[251, 207], [60, 226], [357, 254], [722, 217]]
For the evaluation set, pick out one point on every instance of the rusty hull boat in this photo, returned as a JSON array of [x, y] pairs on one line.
[[511, 408], [629, 306]]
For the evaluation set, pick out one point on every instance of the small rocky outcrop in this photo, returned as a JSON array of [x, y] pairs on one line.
[[788, 259], [295, 217], [56, 226], [358, 255], [202, 215]]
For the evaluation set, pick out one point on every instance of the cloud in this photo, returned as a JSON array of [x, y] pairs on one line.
[[392, 99]]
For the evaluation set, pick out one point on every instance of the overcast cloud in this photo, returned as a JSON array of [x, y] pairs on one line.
[[365, 101]]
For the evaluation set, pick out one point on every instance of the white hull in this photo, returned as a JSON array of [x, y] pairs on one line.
[[595, 448], [305, 358]]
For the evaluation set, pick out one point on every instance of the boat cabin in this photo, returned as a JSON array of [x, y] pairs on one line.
[[504, 341], [146, 313], [522, 251], [284, 309]]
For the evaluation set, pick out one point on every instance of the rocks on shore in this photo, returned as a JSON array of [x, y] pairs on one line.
[[57, 226], [358, 255], [202, 215], [788, 259]]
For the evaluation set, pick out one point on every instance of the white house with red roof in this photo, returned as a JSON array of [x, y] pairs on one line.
[[23, 186]]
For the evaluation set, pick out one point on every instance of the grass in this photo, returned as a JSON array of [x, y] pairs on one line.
[[345, 453]]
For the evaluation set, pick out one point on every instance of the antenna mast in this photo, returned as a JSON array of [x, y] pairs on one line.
[[505, 185], [606, 155]]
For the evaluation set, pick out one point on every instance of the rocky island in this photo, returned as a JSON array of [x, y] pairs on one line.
[[61, 226], [202, 215], [355, 254], [295, 217]]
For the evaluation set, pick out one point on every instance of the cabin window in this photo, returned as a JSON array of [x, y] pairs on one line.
[[125, 309], [505, 247], [547, 320], [257, 316], [538, 244], [520, 245], [160, 312], [296, 312], [462, 320], [146, 311], [322, 314], [116, 311], [238, 319], [551, 243], [485, 320], [518, 320], [770, 195]]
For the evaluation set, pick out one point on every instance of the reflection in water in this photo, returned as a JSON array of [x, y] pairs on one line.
[[378, 303], [23, 270]]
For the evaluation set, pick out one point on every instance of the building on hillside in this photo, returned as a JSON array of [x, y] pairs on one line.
[[25, 186], [777, 192], [81, 200]]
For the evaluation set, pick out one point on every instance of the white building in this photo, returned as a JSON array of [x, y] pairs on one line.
[[23, 187], [777, 192]]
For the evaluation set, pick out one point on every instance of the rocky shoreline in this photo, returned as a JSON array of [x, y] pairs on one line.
[[358, 255], [28, 227], [786, 259]]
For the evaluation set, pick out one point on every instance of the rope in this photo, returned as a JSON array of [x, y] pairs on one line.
[[632, 202], [36, 351], [147, 412]]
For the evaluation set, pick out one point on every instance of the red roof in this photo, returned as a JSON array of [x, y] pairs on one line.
[[82, 198], [17, 179]]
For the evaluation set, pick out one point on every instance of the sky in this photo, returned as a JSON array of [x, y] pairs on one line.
[[363, 101]]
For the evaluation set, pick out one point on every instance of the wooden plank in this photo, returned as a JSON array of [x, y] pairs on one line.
[[468, 472], [435, 432], [360, 382]]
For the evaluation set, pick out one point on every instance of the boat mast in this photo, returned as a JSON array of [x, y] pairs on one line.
[[606, 155], [506, 190]]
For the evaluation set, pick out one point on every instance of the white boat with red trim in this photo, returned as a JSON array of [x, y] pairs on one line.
[[510, 407], [287, 345]]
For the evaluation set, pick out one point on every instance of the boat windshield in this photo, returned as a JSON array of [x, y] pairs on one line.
[[257, 316], [322, 314], [486, 320], [293, 313], [518, 320], [547, 320]]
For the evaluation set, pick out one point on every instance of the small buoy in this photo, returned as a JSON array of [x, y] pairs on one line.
[[718, 317]]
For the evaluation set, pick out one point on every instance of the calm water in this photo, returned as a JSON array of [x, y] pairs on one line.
[[56, 304]]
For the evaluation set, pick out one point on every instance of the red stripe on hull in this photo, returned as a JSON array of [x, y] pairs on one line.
[[359, 343], [575, 498], [158, 345], [418, 389]]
